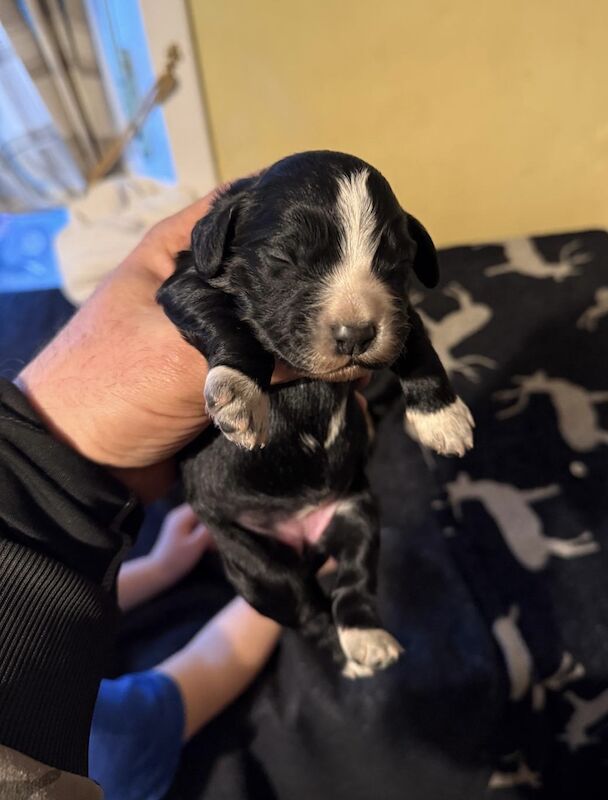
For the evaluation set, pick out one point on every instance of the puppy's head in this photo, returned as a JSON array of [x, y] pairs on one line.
[[317, 253]]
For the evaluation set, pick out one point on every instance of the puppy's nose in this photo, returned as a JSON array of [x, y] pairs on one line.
[[352, 340]]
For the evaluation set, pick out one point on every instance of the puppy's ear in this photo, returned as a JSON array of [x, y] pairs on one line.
[[212, 235], [426, 264]]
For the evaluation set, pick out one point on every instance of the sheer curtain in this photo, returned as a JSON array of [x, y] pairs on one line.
[[55, 119]]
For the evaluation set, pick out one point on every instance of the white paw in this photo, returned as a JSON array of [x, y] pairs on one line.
[[448, 431], [353, 671], [238, 407], [367, 649]]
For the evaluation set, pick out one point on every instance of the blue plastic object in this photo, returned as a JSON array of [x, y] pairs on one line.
[[27, 251]]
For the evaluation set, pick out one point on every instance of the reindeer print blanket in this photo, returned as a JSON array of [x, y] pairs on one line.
[[493, 569], [524, 329]]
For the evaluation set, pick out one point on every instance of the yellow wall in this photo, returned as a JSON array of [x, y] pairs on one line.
[[488, 117]]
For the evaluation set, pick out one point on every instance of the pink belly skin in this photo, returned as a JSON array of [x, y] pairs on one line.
[[304, 528]]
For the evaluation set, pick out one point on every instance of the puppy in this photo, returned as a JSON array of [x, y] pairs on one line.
[[308, 262]]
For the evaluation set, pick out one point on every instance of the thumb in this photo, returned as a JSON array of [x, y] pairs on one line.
[[202, 535], [184, 518]]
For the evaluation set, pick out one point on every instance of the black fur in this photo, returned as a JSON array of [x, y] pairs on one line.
[[246, 294]]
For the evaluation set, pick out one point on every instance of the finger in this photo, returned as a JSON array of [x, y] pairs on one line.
[[362, 401], [199, 531], [363, 382], [331, 565], [203, 532], [201, 539], [184, 518], [283, 373]]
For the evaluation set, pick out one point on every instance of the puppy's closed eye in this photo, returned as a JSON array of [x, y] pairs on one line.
[[278, 265]]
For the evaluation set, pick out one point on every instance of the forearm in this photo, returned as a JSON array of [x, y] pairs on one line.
[[221, 661], [138, 581]]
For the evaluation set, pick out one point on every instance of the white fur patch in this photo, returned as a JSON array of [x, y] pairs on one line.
[[448, 431], [372, 648], [353, 670], [237, 406], [347, 508], [309, 443], [358, 221], [336, 423], [351, 293]]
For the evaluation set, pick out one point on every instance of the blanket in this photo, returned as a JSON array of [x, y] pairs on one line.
[[492, 573]]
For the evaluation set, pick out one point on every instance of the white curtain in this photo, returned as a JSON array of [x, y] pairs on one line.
[[55, 119]]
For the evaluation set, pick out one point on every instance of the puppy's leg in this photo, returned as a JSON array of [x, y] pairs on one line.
[[353, 540], [434, 415], [239, 368], [274, 580]]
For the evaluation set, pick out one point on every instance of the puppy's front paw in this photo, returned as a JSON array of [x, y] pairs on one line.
[[237, 406], [448, 431], [367, 650]]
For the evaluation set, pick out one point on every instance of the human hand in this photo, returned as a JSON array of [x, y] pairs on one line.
[[119, 383], [181, 542]]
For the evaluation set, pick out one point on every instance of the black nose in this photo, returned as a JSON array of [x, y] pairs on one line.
[[352, 340]]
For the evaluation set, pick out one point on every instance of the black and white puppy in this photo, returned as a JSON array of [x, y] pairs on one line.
[[308, 262]]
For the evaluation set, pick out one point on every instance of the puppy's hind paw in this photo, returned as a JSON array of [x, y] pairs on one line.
[[238, 407], [367, 650], [353, 670]]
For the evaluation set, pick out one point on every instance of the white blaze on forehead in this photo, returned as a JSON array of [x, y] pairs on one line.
[[357, 220], [352, 293]]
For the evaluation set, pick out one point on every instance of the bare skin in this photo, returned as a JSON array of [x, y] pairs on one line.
[[181, 542], [218, 664]]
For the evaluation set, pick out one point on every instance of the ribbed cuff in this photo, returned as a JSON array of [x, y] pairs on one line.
[[57, 501], [56, 632], [65, 525]]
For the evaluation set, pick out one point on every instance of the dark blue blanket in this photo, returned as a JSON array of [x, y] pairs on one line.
[[493, 569]]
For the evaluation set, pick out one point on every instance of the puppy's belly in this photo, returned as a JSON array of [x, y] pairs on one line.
[[305, 527]]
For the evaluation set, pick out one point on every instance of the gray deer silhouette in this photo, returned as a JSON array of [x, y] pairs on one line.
[[520, 526], [585, 715], [521, 776], [577, 417], [456, 326], [523, 257], [515, 653], [588, 319]]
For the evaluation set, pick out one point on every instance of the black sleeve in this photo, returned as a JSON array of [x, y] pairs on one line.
[[65, 525]]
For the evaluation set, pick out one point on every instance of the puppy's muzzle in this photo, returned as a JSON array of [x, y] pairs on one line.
[[353, 340]]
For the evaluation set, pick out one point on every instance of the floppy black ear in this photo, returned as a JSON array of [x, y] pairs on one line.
[[213, 233], [426, 264], [211, 237]]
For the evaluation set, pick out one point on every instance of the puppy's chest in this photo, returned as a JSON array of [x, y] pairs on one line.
[[316, 435], [289, 489], [317, 443]]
